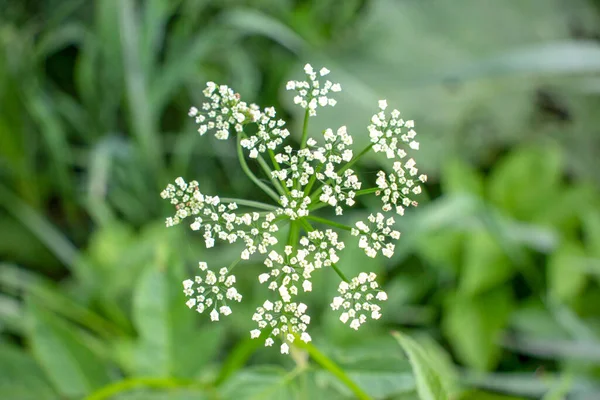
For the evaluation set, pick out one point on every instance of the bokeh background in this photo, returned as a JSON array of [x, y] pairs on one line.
[[497, 272]]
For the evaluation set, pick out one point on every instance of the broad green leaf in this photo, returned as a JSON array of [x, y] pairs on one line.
[[20, 377], [472, 325], [63, 353], [566, 272], [526, 181], [485, 265], [430, 384], [170, 343]]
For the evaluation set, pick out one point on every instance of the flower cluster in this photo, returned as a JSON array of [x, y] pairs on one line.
[[212, 292], [320, 174], [313, 93], [223, 111], [219, 220], [389, 135], [375, 238], [284, 319], [357, 299], [269, 136]]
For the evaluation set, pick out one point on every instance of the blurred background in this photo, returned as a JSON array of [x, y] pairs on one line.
[[497, 272]]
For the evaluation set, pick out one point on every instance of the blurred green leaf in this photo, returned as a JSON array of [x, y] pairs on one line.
[[170, 343], [458, 177], [261, 383], [472, 325], [430, 384], [484, 265], [375, 363], [566, 276], [443, 248], [20, 377], [72, 367], [526, 181], [591, 227]]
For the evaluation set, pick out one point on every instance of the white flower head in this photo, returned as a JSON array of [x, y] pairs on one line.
[[323, 172], [313, 92], [282, 320], [358, 300], [212, 292]]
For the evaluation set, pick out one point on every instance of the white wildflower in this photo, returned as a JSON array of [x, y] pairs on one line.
[[376, 237], [358, 299], [212, 292]]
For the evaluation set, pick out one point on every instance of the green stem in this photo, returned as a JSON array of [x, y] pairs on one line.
[[265, 167], [367, 191], [278, 168], [125, 385], [312, 180], [304, 130], [233, 264], [303, 141], [294, 233], [329, 222], [249, 203], [340, 273], [273, 160], [307, 227], [356, 158], [317, 205], [333, 368], [249, 173]]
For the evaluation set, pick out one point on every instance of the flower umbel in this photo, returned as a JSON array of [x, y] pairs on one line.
[[212, 292], [319, 176]]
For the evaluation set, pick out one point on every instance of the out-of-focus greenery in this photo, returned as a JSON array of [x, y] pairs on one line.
[[495, 282]]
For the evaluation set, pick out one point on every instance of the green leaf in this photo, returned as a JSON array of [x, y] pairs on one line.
[[591, 229], [20, 377], [527, 181], [261, 383], [566, 274], [430, 384], [63, 352], [443, 249], [375, 363], [472, 326], [485, 265], [458, 177], [170, 343]]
